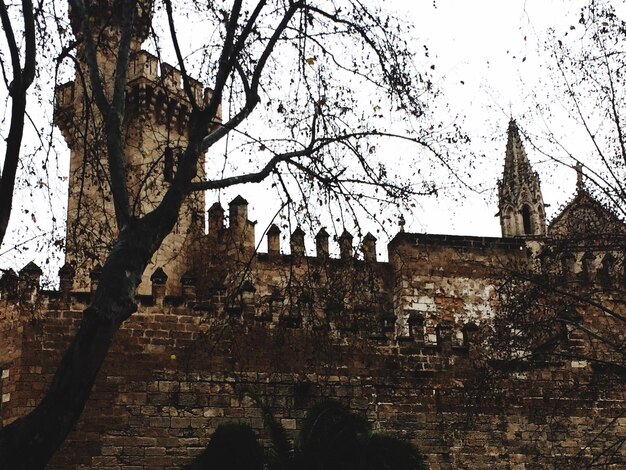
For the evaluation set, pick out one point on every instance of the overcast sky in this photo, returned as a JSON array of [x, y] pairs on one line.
[[488, 59], [491, 57]]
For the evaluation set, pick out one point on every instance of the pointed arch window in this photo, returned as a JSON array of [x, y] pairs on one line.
[[526, 220], [607, 269]]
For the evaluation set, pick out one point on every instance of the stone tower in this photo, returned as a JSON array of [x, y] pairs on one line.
[[154, 130], [520, 203]]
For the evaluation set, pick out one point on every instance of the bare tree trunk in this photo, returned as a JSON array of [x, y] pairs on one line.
[[29, 442], [21, 81]]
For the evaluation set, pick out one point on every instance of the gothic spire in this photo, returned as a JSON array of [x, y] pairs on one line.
[[517, 169], [522, 211]]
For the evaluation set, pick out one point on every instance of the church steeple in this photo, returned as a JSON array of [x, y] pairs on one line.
[[522, 211]]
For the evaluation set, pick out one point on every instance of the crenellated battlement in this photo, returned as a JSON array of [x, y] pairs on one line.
[[145, 66], [431, 293], [55, 305], [153, 88]]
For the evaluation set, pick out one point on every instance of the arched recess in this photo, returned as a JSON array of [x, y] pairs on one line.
[[527, 223]]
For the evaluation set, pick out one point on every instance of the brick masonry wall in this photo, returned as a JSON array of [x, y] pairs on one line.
[[173, 376], [390, 340]]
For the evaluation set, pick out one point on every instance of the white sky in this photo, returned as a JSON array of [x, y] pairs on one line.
[[494, 48], [486, 55]]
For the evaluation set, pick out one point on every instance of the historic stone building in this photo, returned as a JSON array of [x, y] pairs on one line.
[[156, 117], [406, 341]]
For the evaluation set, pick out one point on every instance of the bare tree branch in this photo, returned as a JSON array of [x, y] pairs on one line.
[[22, 79]]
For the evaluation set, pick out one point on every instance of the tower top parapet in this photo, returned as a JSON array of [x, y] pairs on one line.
[[144, 67], [108, 15], [152, 87]]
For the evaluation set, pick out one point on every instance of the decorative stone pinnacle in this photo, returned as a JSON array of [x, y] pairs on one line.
[[159, 276], [520, 203], [238, 201], [321, 242], [273, 230], [273, 240], [67, 271], [31, 269], [369, 247], [322, 233], [345, 245], [580, 185], [346, 235], [297, 242], [216, 207], [369, 237]]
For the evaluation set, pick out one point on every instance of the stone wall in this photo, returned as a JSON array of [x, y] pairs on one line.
[[155, 132], [409, 358]]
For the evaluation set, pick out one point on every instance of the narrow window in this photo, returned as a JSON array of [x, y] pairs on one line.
[[169, 164], [526, 220], [607, 270]]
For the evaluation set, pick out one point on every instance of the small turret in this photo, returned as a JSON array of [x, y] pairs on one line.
[[8, 284], [241, 229], [273, 240], [31, 272], [369, 247], [522, 211], [297, 242], [216, 220], [238, 213], [321, 243], [345, 245], [66, 277], [159, 280], [29, 279]]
